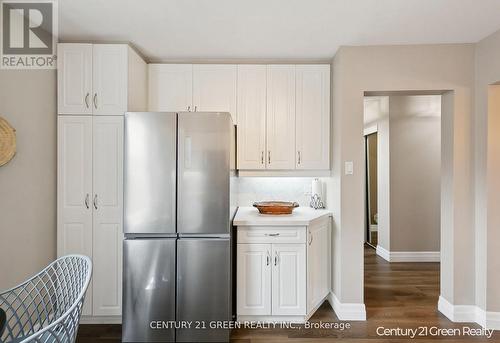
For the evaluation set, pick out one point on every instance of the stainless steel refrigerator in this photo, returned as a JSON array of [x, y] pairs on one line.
[[177, 224]]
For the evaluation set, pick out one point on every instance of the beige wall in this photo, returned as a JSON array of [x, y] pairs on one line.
[[402, 68], [415, 172], [487, 207], [28, 182]]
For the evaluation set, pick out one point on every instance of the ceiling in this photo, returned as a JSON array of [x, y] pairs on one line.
[[166, 30]]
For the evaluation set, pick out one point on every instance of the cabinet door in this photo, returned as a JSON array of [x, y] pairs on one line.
[[318, 266], [251, 116], [74, 189], [110, 72], [280, 117], [108, 210], [289, 279], [253, 281], [313, 116], [214, 88], [170, 87], [74, 78]]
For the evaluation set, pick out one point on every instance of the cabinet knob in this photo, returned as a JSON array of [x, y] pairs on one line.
[[196, 108], [268, 258], [94, 100], [262, 157], [276, 259], [298, 153], [269, 157], [95, 201], [189, 108]]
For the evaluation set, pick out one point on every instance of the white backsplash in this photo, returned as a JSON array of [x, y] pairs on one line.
[[251, 189]]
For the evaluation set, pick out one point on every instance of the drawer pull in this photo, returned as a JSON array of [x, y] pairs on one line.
[[272, 234]]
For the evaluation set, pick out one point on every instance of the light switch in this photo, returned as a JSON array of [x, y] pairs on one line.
[[349, 168]]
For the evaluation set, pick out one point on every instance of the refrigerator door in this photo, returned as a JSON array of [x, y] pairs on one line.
[[148, 289], [149, 173], [203, 288], [204, 148]]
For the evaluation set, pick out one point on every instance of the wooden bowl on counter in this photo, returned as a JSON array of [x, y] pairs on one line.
[[275, 207]]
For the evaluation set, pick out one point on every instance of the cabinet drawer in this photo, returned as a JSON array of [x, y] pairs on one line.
[[271, 234]]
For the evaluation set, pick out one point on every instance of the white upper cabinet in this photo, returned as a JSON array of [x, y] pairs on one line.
[[251, 117], [214, 88], [170, 87], [107, 203], [313, 116], [282, 112], [74, 78], [100, 79], [280, 117], [109, 79]]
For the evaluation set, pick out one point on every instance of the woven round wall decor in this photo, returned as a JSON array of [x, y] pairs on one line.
[[7, 142]]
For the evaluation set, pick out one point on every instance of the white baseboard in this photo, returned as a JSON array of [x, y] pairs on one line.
[[101, 320], [457, 313], [385, 254], [408, 256], [469, 314], [347, 311]]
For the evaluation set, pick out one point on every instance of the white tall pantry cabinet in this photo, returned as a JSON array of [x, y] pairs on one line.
[[97, 83]]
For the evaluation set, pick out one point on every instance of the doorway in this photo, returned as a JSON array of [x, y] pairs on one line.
[[402, 135]]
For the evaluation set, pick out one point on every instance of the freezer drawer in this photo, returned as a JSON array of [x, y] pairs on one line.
[[150, 172], [203, 288], [148, 289]]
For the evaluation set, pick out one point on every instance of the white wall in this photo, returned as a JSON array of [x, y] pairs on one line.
[[28, 182], [357, 70]]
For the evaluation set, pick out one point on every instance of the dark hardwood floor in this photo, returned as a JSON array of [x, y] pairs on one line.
[[397, 295]]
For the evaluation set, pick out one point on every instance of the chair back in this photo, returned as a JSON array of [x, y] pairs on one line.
[[48, 306]]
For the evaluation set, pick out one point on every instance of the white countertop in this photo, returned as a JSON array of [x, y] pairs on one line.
[[301, 216]]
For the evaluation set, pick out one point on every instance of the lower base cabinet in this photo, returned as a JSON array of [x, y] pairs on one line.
[[282, 272]]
